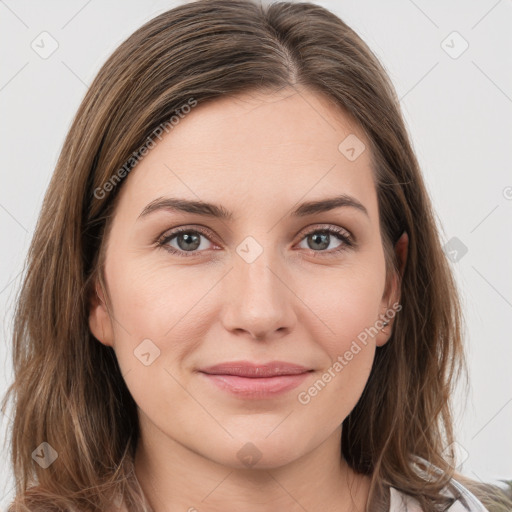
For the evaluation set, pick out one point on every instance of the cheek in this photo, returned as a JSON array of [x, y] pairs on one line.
[[155, 328], [152, 301], [149, 299], [345, 303], [348, 312]]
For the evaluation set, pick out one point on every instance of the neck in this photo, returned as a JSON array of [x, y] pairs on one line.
[[173, 477]]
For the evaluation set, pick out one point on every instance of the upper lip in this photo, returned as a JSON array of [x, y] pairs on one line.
[[248, 369]]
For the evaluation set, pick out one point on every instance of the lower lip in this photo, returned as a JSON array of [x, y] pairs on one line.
[[260, 387]]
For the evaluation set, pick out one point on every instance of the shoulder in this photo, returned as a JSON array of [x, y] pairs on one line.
[[467, 501], [473, 503]]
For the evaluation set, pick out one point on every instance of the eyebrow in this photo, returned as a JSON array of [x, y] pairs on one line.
[[219, 212]]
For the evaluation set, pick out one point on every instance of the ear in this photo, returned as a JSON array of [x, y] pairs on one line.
[[391, 298], [99, 319]]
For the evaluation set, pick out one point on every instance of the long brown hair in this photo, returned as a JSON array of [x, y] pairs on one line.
[[68, 389]]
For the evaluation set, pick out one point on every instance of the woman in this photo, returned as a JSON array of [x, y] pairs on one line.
[[236, 295]]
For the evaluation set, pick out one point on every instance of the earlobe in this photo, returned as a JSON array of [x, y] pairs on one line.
[[99, 319]]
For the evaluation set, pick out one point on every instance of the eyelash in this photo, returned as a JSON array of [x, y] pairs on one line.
[[348, 241]]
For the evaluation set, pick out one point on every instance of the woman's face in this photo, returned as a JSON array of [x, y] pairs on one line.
[[261, 284]]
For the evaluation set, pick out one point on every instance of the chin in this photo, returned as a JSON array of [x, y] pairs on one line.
[[258, 452]]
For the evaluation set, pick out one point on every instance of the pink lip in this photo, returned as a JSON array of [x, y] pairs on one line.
[[249, 380]]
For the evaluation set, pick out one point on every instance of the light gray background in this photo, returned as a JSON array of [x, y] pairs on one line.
[[459, 114]]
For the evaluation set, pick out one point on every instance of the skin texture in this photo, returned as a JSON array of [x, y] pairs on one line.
[[258, 155]]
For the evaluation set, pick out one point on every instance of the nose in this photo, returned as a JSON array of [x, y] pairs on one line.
[[258, 298]]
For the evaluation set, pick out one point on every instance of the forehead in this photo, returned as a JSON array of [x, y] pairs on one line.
[[279, 148]]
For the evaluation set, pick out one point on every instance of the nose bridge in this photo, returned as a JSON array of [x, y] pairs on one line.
[[255, 268], [257, 299]]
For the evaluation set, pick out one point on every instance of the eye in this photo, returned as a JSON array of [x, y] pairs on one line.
[[189, 242], [320, 238]]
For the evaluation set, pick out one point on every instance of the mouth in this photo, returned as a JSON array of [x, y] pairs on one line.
[[258, 381]]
